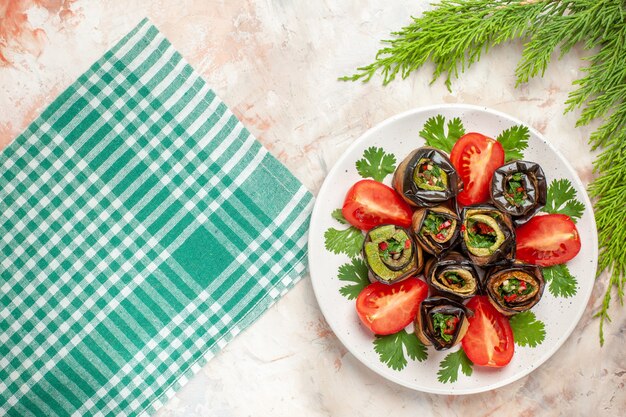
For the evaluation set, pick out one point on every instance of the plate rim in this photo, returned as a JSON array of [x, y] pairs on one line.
[[462, 107]]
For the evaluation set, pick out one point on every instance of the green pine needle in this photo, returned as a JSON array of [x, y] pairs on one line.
[[455, 33]]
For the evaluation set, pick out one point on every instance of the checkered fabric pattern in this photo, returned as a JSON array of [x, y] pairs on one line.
[[142, 227]]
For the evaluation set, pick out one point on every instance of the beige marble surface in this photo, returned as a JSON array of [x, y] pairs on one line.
[[276, 64]]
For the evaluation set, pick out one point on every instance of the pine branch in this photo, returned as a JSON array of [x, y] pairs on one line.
[[456, 33]]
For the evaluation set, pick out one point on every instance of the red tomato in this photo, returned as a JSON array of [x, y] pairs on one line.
[[371, 203], [489, 338], [387, 309], [476, 157], [547, 240]]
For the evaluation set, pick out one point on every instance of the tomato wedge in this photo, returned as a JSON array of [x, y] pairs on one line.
[[547, 240], [371, 203], [489, 338], [476, 157], [387, 309]]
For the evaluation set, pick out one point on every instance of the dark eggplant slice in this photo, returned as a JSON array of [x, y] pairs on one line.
[[514, 288], [441, 322], [452, 276], [436, 229], [391, 254], [519, 188], [487, 235], [426, 178]]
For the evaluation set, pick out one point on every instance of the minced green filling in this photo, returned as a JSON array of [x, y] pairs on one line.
[[440, 325], [429, 176]]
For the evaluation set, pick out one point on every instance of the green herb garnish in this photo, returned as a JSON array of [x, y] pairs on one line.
[[391, 349], [376, 164], [337, 215], [527, 330], [514, 140], [433, 132], [449, 367], [561, 198], [561, 282], [355, 272], [348, 241]]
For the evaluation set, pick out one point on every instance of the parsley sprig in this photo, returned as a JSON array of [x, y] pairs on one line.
[[450, 365], [561, 199], [337, 215], [435, 136], [527, 330], [392, 349], [348, 241], [561, 282], [356, 273], [514, 140], [376, 163]]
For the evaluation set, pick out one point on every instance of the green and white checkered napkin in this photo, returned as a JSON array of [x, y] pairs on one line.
[[141, 228]]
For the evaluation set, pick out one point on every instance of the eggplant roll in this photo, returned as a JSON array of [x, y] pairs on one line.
[[391, 254], [426, 178], [514, 288], [453, 276], [436, 229], [487, 235], [441, 322], [519, 189]]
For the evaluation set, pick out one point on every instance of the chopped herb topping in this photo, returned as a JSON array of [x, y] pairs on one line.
[[454, 279], [512, 288], [429, 176], [444, 325], [392, 248], [480, 235], [437, 226], [515, 191], [355, 273]]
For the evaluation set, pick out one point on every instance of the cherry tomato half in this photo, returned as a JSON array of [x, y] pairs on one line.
[[547, 240], [387, 309], [489, 338], [476, 157], [371, 203]]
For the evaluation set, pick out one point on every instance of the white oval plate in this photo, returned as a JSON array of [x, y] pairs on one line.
[[399, 135]]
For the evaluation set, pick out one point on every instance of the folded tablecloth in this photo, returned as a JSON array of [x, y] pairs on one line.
[[141, 228]]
